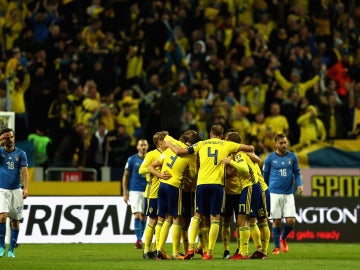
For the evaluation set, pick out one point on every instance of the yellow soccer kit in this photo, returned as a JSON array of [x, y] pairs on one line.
[[211, 153], [153, 183]]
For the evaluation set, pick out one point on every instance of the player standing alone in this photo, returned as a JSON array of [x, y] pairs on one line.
[[281, 167], [13, 173], [134, 185]]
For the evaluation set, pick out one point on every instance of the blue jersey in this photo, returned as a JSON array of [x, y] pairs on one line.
[[280, 171], [137, 182], [10, 168]]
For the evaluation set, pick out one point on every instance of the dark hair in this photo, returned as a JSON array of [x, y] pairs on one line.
[[217, 130], [279, 136], [194, 138], [233, 137], [6, 130]]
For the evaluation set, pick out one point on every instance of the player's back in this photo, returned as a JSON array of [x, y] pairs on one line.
[[211, 153]]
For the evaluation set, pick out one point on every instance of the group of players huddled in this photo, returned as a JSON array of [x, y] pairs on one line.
[[193, 185]]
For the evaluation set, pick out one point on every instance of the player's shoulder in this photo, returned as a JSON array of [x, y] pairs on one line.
[[18, 150]]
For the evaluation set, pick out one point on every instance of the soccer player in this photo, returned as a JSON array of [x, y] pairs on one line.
[[151, 194], [232, 197], [13, 174], [134, 185], [189, 187], [259, 228], [250, 198], [210, 183], [170, 196], [280, 169]]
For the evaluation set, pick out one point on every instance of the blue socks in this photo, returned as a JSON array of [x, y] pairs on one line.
[[276, 236], [138, 228], [286, 230], [2, 234], [143, 226], [13, 239]]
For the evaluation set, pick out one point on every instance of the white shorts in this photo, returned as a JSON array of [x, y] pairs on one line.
[[12, 203], [136, 201], [282, 206]]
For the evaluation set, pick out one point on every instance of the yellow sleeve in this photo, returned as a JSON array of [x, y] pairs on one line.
[[285, 84]]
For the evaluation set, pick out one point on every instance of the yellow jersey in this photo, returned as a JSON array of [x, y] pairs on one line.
[[233, 180], [153, 183], [176, 166], [211, 153]]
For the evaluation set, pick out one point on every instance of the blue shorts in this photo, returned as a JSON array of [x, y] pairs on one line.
[[231, 205], [250, 203], [151, 207], [169, 200], [209, 199], [188, 204]]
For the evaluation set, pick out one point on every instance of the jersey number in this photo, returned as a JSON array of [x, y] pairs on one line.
[[10, 165], [283, 172], [214, 155], [173, 158]]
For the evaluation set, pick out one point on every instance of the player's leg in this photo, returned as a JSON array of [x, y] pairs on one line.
[[4, 209], [216, 200], [276, 216], [15, 215], [163, 211], [201, 206], [151, 212], [137, 205], [289, 214]]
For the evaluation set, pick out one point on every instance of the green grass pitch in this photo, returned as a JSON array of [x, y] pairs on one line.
[[301, 256]]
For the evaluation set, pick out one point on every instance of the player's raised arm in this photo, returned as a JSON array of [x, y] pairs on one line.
[[246, 148], [179, 151], [255, 158], [240, 165]]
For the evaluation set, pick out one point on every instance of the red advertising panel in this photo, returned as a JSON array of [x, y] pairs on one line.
[[71, 176]]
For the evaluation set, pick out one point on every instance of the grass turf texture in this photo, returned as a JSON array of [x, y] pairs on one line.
[[123, 256]]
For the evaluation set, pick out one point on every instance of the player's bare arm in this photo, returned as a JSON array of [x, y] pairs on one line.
[[179, 151], [162, 175], [255, 158]]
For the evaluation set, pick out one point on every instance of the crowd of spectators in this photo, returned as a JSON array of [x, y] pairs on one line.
[[94, 76]]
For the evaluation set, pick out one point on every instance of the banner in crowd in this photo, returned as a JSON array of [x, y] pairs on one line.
[[334, 154], [97, 219]]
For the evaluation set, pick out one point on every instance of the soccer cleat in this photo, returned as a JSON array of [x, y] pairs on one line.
[[199, 251], [2, 251], [284, 246], [149, 255], [161, 255], [226, 254], [276, 251], [207, 256], [257, 255], [177, 257], [139, 244], [11, 254], [238, 256], [189, 254]]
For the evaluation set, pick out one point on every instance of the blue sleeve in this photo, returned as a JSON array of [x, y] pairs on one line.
[[129, 164], [296, 170], [191, 150], [266, 170], [23, 160]]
